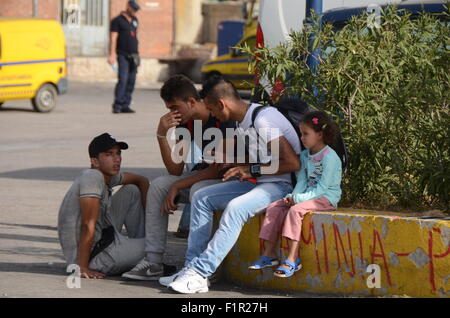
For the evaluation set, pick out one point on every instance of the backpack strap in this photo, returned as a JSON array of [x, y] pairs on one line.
[[255, 113]]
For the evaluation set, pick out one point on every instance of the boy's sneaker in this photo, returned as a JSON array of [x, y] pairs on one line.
[[189, 282], [145, 270], [167, 280]]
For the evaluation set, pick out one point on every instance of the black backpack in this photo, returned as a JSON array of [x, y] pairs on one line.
[[294, 110]]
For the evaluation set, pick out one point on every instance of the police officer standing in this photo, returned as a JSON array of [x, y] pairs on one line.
[[124, 50]]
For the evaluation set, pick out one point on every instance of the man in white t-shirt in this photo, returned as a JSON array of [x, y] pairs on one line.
[[237, 196]]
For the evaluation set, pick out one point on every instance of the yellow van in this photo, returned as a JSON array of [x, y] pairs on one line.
[[32, 62], [234, 65]]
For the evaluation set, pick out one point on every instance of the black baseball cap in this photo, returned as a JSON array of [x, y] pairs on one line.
[[134, 4], [103, 143]]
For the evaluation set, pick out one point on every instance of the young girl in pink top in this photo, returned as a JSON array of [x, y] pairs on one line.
[[317, 189]]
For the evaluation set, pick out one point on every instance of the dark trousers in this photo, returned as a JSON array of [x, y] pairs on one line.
[[125, 85]]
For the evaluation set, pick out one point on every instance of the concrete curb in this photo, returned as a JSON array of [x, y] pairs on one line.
[[336, 248]]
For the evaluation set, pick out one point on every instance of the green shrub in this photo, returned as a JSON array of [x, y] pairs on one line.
[[388, 88]]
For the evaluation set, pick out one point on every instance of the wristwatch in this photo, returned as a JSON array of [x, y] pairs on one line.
[[255, 171]]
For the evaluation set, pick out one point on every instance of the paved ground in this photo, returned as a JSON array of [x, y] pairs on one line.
[[40, 155]]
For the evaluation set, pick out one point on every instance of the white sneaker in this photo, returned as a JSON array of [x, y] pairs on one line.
[[166, 280], [145, 270], [190, 282]]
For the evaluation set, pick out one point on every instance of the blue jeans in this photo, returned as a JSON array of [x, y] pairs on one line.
[[240, 202], [125, 85]]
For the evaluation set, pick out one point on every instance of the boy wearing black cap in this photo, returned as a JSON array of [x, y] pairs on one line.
[[91, 218]]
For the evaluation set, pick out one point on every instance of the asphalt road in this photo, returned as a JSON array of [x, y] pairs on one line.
[[40, 156]]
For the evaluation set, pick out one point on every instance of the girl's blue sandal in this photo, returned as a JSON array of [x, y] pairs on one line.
[[288, 272], [264, 262]]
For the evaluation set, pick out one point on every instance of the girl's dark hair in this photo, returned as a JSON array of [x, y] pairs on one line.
[[320, 121]]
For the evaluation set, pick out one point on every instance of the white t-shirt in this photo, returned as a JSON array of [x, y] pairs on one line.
[[270, 124]]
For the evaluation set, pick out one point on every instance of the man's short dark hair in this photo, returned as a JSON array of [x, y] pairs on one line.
[[216, 87], [178, 87]]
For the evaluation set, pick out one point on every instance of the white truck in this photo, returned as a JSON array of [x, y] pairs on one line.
[[277, 18]]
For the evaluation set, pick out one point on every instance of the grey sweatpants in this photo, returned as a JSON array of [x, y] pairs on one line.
[[126, 209], [156, 225]]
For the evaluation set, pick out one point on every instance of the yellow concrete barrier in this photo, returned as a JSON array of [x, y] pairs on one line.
[[337, 248]]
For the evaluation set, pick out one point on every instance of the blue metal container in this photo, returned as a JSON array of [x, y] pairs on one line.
[[228, 34]]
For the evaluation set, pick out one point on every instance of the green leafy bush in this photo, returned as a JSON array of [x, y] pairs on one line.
[[388, 88]]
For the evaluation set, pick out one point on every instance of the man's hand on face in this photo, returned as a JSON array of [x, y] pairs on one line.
[[169, 120]]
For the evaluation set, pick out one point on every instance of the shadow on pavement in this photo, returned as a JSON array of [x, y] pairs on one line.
[[174, 256], [34, 268], [31, 238], [71, 173], [39, 252], [32, 226], [16, 109]]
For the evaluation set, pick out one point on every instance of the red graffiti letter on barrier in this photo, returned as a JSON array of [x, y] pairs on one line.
[[376, 237], [337, 236]]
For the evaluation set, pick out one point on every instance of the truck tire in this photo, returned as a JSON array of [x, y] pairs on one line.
[[45, 99]]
